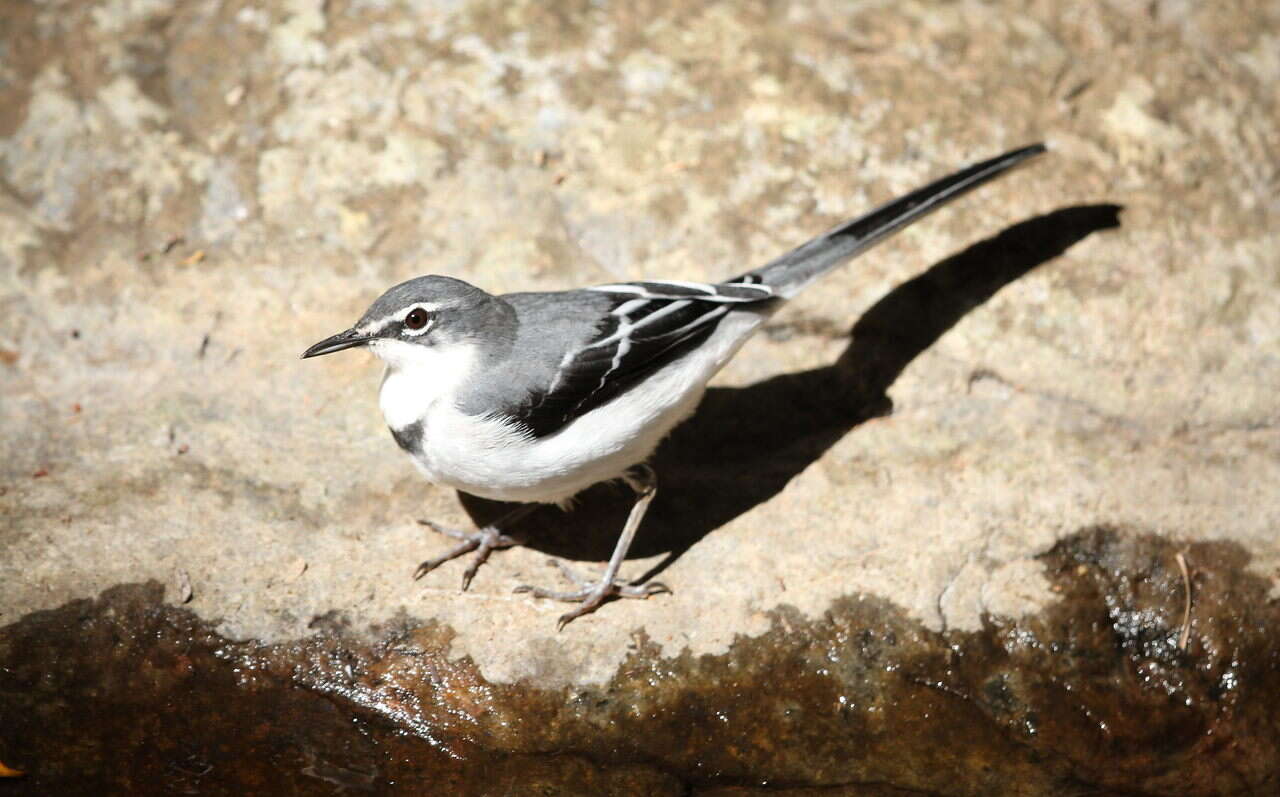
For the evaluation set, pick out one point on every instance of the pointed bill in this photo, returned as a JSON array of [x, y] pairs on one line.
[[343, 340]]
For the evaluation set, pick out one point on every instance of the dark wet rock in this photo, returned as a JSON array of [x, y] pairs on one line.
[[191, 193], [125, 694]]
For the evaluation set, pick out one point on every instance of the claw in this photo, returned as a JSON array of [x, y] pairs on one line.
[[454, 553], [483, 541], [591, 595]]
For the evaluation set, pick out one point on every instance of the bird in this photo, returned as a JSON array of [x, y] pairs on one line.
[[533, 397]]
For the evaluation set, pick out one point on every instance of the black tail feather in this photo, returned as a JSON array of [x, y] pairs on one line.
[[796, 269]]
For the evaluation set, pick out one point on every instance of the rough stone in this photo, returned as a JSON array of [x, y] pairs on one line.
[[190, 194]]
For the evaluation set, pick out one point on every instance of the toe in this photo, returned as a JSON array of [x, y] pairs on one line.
[[432, 564], [482, 556], [457, 534], [642, 590], [551, 594], [586, 608]]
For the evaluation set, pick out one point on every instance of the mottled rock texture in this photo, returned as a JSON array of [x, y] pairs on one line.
[[191, 193]]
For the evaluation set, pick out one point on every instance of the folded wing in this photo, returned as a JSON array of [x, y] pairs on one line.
[[647, 325]]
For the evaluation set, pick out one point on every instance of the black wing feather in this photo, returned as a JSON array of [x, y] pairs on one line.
[[648, 325]]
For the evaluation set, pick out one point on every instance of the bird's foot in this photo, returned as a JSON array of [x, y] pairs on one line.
[[483, 541], [590, 595]]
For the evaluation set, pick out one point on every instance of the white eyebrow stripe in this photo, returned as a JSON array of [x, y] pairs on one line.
[[376, 326], [368, 330]]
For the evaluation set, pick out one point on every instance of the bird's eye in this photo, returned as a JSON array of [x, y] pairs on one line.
[[417, 318]]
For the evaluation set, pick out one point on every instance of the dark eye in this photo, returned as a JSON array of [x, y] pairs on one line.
[[417, 318]]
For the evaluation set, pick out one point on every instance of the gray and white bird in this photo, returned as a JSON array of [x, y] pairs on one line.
[[533, 397]]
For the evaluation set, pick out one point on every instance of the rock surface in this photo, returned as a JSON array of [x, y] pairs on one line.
[[1097, 694], [190, 194]]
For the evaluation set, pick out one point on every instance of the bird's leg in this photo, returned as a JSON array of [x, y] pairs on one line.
[[592, 594], [483, 541]]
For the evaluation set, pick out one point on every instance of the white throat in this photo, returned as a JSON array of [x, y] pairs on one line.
[[418, 376]]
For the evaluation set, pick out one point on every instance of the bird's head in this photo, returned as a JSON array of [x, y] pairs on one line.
[[415, 318]]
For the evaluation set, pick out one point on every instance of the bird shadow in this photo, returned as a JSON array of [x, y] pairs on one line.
[[744, 444]]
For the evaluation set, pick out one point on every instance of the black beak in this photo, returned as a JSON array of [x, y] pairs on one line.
[[343, 340]]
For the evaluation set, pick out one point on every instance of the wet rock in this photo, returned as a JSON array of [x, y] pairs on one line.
[[1106, 692]]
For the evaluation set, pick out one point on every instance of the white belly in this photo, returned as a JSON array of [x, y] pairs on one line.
[[489, 458]]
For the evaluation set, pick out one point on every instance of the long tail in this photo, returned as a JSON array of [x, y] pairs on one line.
[[792, 272]]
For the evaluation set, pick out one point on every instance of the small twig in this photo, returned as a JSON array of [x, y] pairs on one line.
[[1185, 634]]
